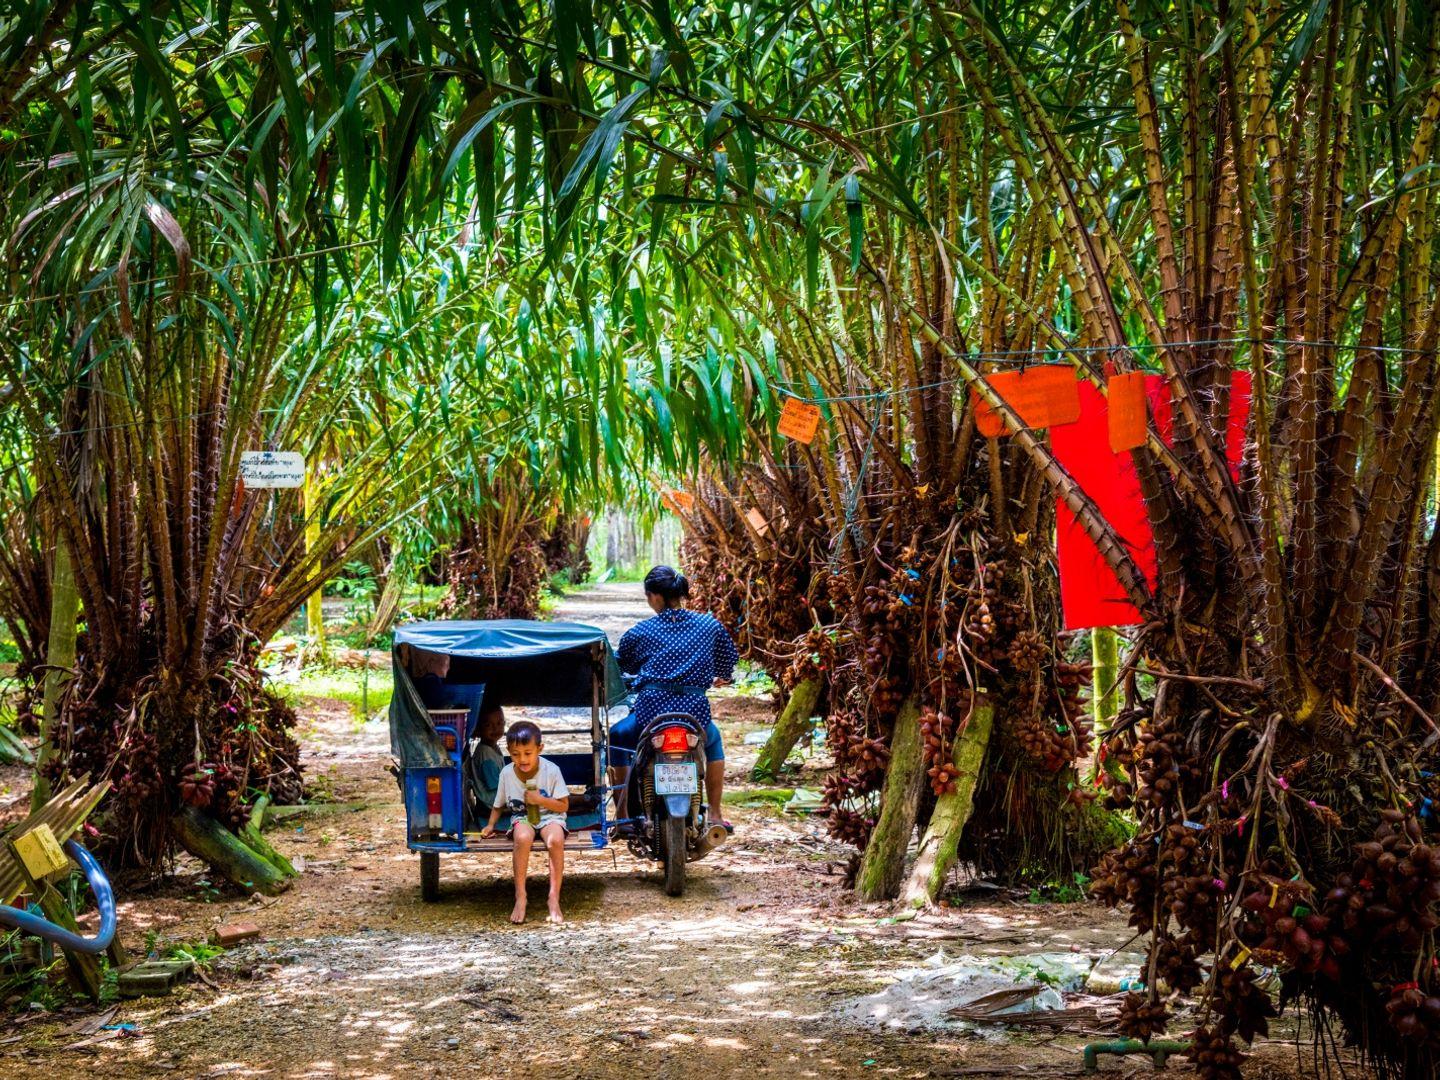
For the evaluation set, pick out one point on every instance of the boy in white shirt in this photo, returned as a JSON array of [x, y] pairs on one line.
[[550, 793]]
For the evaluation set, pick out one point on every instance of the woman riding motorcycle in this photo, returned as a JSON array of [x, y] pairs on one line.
[[670, 660]]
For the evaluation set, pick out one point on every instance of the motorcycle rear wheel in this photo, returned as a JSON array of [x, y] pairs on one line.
[[672, 853]]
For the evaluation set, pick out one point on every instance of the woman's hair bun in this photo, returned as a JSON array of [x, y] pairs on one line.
[[665, 582]]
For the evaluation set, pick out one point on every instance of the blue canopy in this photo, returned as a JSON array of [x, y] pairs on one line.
[[519, 662], [499, 639]]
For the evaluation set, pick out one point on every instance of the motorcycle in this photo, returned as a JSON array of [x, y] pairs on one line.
[[671, 823]]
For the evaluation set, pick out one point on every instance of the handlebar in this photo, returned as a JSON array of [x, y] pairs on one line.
[[67, 939]]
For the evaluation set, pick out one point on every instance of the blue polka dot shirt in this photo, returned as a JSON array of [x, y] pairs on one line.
[[675, 648]]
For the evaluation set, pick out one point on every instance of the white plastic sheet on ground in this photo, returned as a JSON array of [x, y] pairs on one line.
[[921, 997]]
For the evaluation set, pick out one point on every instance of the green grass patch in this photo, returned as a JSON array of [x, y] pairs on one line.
[[1062, 892], [202, 953], [751, 679], [343, 684]]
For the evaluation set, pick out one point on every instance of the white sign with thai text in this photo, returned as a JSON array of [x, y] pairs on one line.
[[272, 469]]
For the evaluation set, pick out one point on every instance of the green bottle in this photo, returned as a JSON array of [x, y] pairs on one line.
[[532, 812]]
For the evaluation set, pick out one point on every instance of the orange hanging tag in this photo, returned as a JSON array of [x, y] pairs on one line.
[[677, 501], [799, 420], [988, 422], [1126, 410], [1044, 396]]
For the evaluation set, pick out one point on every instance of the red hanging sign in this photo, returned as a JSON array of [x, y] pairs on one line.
[[1043, 397]]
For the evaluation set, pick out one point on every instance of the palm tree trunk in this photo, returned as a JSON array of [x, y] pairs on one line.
[[883, 865], [59, 662], [1105, 653], [794, 721], [941, 841]]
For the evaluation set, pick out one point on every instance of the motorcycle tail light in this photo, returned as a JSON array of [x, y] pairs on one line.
[[432, 796], [674, 740]]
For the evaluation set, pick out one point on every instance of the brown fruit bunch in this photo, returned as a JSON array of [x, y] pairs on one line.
[[848, 826], [1215, 1055], [1027, 651], [1414, 1014], [1193, 900], [1391, 893], [1244, 1008], [1141, 1018], [1178, 964], [1128, 877], [197, 784]]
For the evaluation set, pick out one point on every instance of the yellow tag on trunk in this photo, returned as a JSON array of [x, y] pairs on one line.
[[41, 853]]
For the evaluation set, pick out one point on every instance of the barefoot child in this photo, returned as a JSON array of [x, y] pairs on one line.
[[550, 794]]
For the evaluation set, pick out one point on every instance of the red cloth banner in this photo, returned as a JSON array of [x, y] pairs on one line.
[[1090, 594]]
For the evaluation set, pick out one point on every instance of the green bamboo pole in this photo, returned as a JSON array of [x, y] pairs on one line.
[[314, 603], [1105, 657], [59, 661]]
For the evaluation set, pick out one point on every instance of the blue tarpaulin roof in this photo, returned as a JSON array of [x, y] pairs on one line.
[[520, 662], [498, 639]]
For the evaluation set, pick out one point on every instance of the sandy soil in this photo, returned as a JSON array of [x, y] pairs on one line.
[[750, 973]]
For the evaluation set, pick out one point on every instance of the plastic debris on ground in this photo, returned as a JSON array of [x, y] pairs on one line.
[[758, 738], [1120, 972], [804, 801], [987, 988]]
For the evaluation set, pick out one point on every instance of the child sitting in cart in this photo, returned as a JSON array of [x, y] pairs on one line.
[[486, 761], [532, 781]]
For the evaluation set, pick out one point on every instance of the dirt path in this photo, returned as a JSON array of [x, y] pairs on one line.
[[752, 973]]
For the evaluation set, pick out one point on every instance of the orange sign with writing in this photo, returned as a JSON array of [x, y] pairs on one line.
[[1043, 396], [799, 420], [1126, 411]]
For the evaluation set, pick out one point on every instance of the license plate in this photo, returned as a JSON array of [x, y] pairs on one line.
[[675, 779]]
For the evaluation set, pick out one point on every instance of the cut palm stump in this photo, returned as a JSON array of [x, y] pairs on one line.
[[208, 840]]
